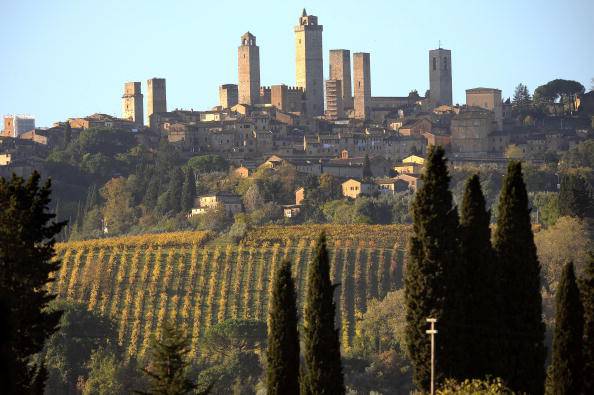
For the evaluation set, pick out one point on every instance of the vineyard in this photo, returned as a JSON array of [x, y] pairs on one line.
[[141, 281]]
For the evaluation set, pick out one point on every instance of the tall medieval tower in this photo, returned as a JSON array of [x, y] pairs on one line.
[[157, 98], [340, 69], [440, 76], [132, 108], [310, 63], [362, 81], [249, 70]]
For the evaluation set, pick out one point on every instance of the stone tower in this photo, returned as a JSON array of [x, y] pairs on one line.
[[228, 95], [249, 70], [310, 63], [132, 107], [440, 76], [334, 103], [362, 81], [157, 98], [340, 69]]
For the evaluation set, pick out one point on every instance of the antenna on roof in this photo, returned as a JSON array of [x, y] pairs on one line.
[[439, 45]]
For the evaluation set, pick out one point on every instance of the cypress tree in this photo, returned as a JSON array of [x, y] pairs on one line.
[[574, 196], [367, 167], [430, 278], [283, 336], [174, 191], [521, 331], [477, 281], [27, 238], [566, 361], [188, 192], [322, 373], [587, 291]]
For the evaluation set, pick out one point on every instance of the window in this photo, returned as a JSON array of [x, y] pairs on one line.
[[434, 64]]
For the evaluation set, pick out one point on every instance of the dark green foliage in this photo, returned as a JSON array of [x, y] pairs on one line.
[[208, 163], [283, 336], [235, 336], [322, 373], [477, 282], [27, 232], [174, 191], [168, 364], [587, 291], [367, 167], [521, 330], [575, 197], [188, 192], [430, 281], [566, 361]]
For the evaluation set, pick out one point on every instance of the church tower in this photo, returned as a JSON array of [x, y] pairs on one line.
[[249, 70], [132, 108], [310, 63], [440, 76]]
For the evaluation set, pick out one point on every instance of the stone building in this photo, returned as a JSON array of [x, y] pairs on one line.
[[440, 76], [362, 82], [310, 63], [102, 121], [353, 188], [489, 99], [287, 98], [228, 95], [15, 125], [334, 100], [471, 129], [156, 99], [132, 103], [340, 70], [249, 70]]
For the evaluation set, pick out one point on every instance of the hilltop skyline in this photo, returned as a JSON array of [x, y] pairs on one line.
[[60, 69]]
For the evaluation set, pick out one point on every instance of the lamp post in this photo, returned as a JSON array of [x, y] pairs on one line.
[[432, 332]]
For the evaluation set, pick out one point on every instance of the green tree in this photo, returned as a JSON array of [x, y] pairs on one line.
[[188, 192], [587, 291], [522, 99], [575, 197], [431, 272], [521, 334], [174, 191], [283, 336], [566, 360], [322, 373], [367, 167], [104, 374], [167, 369], [477, 279], [474, 387], [27, 237], [208, 163], [118, 212]]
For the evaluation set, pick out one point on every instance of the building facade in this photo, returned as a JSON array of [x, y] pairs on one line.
[[15, 125], [310, 63], [132, 103], [440, 76], [489, 99], [362, 82], [249, 70], [340, 70], [228, 95]]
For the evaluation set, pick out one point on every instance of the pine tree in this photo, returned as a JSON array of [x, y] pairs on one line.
[[168, 364], [27, 237], [188, 190], [283, 336], [521, 331], [174, 191], [477, 279], [574, 196], [430, 280], [587, 291], [566, 360], [322, 373]]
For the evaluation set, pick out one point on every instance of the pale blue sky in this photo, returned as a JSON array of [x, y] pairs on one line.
[[66, 58]]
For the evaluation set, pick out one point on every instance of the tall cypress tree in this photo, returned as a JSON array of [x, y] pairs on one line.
[[188, 192], [431, 275], [477, 281], [322, 373], [283, 336], [174, 191], [587, 291], [367, 167], [521, 334], [566, 361], [27, 237]]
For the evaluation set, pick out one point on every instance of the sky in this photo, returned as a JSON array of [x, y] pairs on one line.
[[70, 58]]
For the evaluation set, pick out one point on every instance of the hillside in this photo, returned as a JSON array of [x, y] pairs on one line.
[[139, 281]]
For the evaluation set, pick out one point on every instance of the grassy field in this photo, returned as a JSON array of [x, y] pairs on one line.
[[140, 281]]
